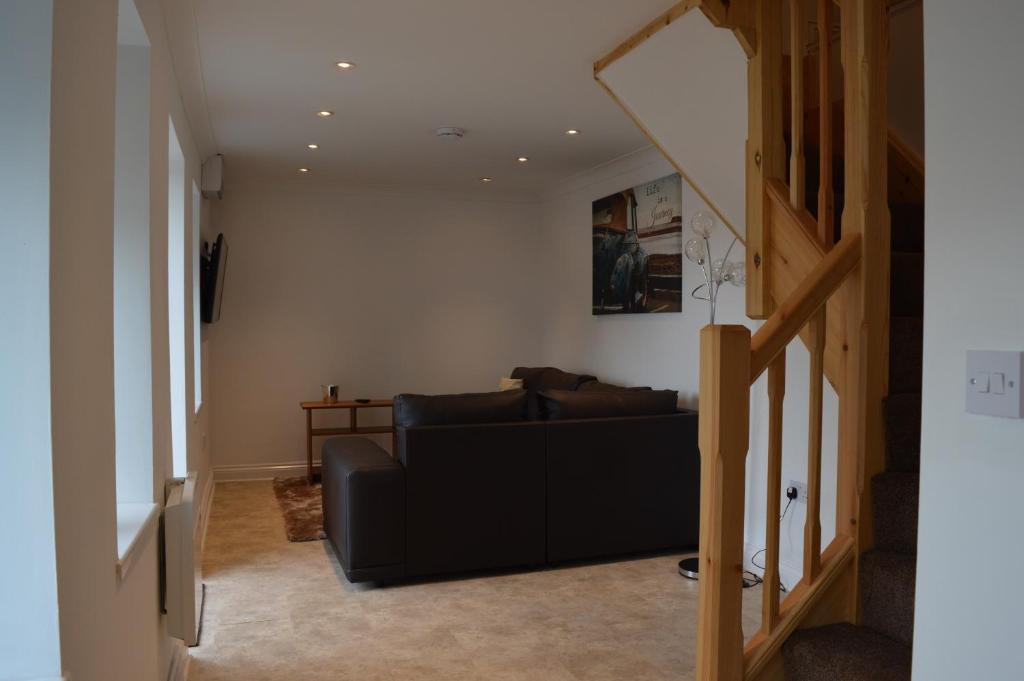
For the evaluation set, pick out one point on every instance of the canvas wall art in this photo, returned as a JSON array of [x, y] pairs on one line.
[[638, 249]]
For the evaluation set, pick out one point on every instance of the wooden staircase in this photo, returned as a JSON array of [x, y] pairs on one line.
[[823, 276]]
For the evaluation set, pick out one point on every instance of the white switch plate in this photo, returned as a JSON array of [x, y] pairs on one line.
[[993, 383]]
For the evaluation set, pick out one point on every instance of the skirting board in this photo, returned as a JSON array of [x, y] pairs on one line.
[[260, 471], [204, 510], [788, 574]]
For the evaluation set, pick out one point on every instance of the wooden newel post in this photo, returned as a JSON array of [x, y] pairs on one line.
[[724, 428]]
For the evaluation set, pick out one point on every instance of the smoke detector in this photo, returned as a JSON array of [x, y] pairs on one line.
[[450, 133]]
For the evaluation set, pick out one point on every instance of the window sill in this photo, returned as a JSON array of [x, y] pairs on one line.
[[135, 523]]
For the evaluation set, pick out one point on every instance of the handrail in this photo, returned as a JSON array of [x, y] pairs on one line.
[[813, 292]]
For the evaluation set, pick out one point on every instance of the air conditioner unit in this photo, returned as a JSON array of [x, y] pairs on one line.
[[213, 177], [183, 593]]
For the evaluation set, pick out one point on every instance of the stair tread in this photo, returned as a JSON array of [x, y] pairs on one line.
[[905, 341], [895, 496], [907, 277], [907, 229], [903, 432], [845, 652], [887, 593]]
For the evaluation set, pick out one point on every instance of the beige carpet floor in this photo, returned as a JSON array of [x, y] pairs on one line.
[[282, 611]]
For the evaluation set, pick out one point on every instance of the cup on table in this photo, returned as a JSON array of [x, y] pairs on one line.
[[330, 392]]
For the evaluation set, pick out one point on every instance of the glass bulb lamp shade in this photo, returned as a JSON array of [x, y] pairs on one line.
[[738, 277], [703, 223], [696, 251]]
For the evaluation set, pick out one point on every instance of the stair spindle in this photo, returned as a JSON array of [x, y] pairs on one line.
[[797, 166], [826, 196], [812, 525], [776, 396]]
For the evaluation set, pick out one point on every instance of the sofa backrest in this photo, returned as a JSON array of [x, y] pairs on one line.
[[468, 408], [557, 405]]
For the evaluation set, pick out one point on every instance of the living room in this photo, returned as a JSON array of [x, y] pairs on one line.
[[367, 340]]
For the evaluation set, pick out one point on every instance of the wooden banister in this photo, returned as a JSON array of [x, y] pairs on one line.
[[786, 322], [833, 295]]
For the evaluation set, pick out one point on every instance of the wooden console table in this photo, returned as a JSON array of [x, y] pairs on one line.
[[352, 428]]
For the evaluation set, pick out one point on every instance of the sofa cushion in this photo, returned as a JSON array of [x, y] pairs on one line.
[[598, 386], [571, 404], [542, 378], [467, 408], [536, 379], [506, 383]]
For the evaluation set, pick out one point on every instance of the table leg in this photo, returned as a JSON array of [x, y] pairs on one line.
[[309, 445], [353, 420]]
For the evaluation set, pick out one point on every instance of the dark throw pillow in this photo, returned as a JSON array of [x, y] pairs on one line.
[[537, 379], [467, 408]]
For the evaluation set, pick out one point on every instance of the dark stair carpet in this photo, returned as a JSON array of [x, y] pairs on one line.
[[887, 593], [907, 222], [844, 652], [905, 336], [894, 499], [903, 432], [907, 277], [879, 649]]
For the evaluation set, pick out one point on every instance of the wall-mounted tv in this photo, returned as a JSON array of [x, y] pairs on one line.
[[214, 264]]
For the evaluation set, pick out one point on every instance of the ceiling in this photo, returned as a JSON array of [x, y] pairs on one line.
[[516, 75]]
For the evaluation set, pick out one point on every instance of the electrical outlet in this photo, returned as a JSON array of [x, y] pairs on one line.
[[801, 491]]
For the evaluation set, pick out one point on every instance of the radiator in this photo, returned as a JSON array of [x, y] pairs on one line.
[[183, 593]]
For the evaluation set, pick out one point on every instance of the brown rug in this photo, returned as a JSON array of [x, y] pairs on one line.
[[301, 507]]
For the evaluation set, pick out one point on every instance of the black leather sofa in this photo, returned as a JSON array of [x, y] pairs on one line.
[[477, 484]]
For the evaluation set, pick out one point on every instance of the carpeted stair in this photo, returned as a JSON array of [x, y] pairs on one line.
[[880, 648]]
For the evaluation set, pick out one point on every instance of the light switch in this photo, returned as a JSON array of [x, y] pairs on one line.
[[994, 383]]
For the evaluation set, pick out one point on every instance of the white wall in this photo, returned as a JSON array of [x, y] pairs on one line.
[[110, 630], [663, 350], [29, 640], [972, 467], [380, 292]]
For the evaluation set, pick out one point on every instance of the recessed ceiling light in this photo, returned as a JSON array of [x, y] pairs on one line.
[[325, 114], [345, 65], [303, 170], [312, 146], [572, 132], [487, 179], [523, 159]]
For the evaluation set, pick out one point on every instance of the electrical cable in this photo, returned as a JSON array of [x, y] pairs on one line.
[[750, 579]]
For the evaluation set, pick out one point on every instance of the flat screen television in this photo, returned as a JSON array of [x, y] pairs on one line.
[[213, 265]]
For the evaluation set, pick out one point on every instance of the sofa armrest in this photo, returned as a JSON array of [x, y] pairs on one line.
[[364, 508]]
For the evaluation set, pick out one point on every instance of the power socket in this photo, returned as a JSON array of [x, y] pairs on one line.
[[801, 491]]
